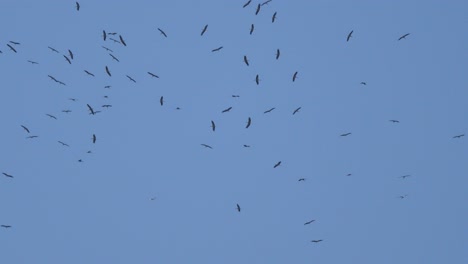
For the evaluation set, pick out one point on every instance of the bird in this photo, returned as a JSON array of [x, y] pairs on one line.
[[269, 110], [87, 72], [317, 240], [301, 179], [297, 110], [32, 137], [246, 4], [67, 59], [238, 208], [206, 146], [346, 134], [131, 79], [54, 50], [71, 54], [217, 49], [213, 126], [72, 99], [246, 60], [226, 110], [91, 110], [404, 36], [108, 72], [25, 128], [153, 75], [14, 42], [394, 121], [251, 29], [402, 196], [258, 9], [235, 96], [13, 49], [204, 30], [114, 58], [7, 175], [277, 164], [162, 32], [66, 111], [277, 53], [77, 6], [246, 146], [107, 106], [266, 2], [106, 48], [363, 83], [51, 116], [122, 40], [6, 226], [107, 87], [404, 176], [249, 121], [112, 33], [257, 79], [104, 35], [349, 35], [294, 77], [116, 41], [459, 136], [153, 198], [33, 62], [349, 174], [309, 222], [161, 100], [64, 144], [273, 18]]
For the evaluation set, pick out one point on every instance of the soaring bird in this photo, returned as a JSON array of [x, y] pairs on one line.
[[33, 62], [227, 109], [7, 175], [235, 96], [266, 2], [213, 126], [404, 36], [206, 146], [402, 196], [404, 176], [345, 134], [246, 60], [87, 72], [161, 100], [273, 18], [246, 146], [311, 221], [249, 121], [297, 110], [246, 4], [67, 59], [112, 33], [294, 77], [217, 49], [51, 116], [116, 41], [71, 54], [316, 241], [363, 83], [162, 32], [32, 137], [204, 30], [106, 48], [459, 136], [394, 121], [277, 164], [349, 35], [122, 40], [14, 42], [113, 57], [277, 53], [54, 50], [91, 110], [64, 144], [104, 35], [301, 179], [94, 138], [153, 75], [77, 6], [108, 72], [66, 111], [13, 49], [269, 110], [258, 9], [238, 208], [106, 105], [25, 128], [131, 79], [6, 226], [257, 79], [251, 29]]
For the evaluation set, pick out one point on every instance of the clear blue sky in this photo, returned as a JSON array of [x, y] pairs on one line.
[[101, 210]]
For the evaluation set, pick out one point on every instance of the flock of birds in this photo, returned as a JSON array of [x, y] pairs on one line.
[[118, 39]]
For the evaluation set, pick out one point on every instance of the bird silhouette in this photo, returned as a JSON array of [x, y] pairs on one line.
[[108, 72], [6, 226], [346, 134], [54, 50], [204, 30], [206, 146], [309, 222], [78, 6], [273, 18], [294, 77], [227, 109], [269, 110], [258, 9], [162, 32], [131, 79], [257, 79], [13, 49], [404, 176], [104, 35], [246, 4], [122, 40], [252, 27], [7, 175], [71, 54], [404, 36], [25, 128], [51, 116], [349, 36], [394, 121], [153, 75], [217, 49], [69, 61], [249, 122], [301, 179], [94, 138], [238, 208], [114, 58], [277, 53], [317, 240], [246, 60], [213, 126], [297, 110], [33, 62], [63, 144], [277, 164], [87, 72], [91, 110], [459, 136], [161, 100]]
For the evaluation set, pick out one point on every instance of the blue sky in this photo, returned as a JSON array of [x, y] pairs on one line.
[[100, 210]]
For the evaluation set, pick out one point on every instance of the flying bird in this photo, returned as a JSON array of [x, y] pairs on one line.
[[131, 79], [301, 179], [238, 208], [349, 35], [363, 83], [71, 54], [106, 106], [246, 4], [246, 60], [161, 100], [297, 110], [257, 79], [249, 121], [346, 134], [94, 138], [113, 57], [204, 30], [213, 126], [316, 241], [404, 36], [273, 18], [402, 196], [116, 41], [15, 43], [106, 48], [104, 35], [310, 222], [13, 49], [162, 32], [33, 62], [108, 72], [269, 110], [404, 176], [87, 72], [235, 96], [294, 77], [51, 116], [277, 164], [266, 2], [122, 40], [91, 110], [77, 6], [217, 49], [252, 29], [394, 121], [25, 128], [64, 144], [67, 59], [6, 226], [54, 50], [277, 53], [153, 75], [459, 136], [32, 137], [206, 146], [66, 111], [7, 175], [246, 146], [258, 9], [226, 110], [107, 87], [112, 33]]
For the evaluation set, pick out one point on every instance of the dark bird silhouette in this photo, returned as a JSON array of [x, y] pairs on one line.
[[257, 79], [51, 116], [246, 4], [87, 72], [107, 87], [63, 144], [394, 121], [153, 75], [113, 57], [204, 30], [7, 175], [67, 59], [32, 137], [72, 99], [14, 42], [252, 27], [153, 198], [238, 208], [349, 36], [25, 128], [404, 176], [94, 138], [66, 111], [106, 106], [459, 136], [213, 126], [13, 49], [108, 72], [106, 48], [273, 18], [363, 83], [404, 36], [297, 110], [33, 62], [249, 121], [206, 146], [258, 9], [246, 60], [316, 241], [301, 179], [217, 49], [269, 110], [162, 32], [310, 222], [346, 134], [112, 33], [277, 53], [235, 96], [266, 2], [91, 110], [71, 54], [403, 196], [246, 146], [277, 164], [77, 6], [54, 50], [104, 35], [226, 110], [116, 41], [122, 40], [6, 226], [294, 77], [131, 79], [161, 100]]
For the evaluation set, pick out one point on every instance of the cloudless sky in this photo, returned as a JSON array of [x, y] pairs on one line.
[[149, 192]]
